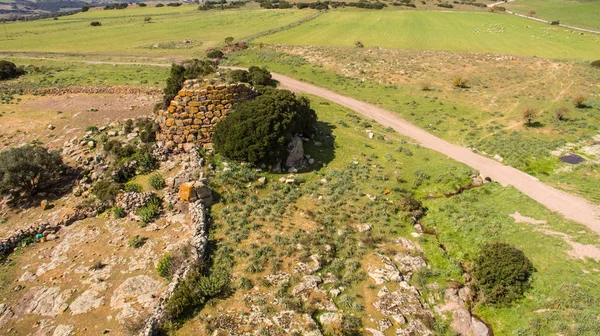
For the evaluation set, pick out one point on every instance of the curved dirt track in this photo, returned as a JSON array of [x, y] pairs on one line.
[[570, 206]]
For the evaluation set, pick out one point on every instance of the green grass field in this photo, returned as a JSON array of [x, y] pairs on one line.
[[124, 32], [581, 13], [457, 121], [481, 32]]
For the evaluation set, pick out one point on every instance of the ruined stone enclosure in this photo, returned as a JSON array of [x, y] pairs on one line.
[[194, 113]]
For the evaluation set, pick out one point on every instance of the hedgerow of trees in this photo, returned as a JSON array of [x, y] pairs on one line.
[[257, 131], [255, 75]]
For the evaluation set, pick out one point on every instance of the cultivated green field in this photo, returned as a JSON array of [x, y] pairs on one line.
[[482, 32], [581, 13], [125, 32]]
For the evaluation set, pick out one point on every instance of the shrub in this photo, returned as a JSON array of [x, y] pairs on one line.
[[460, 82], [159, 5], [529, 114], [85, 8], [579, 102], [531, 13], [141, 4], [106, 190], [215, 53], [137, 241], [561, 113], [195, 290], [239, 76], [164, 266], [426, 86], [95, 23], [359, 44], [118, 212], [149, 211], [259, 76], [258, 130], [157, 181], [228, 40], [147, 19], [133, 187], [27, 170], [502, 273], [189, 69], [555, 23], [595, 64], [9, 70]]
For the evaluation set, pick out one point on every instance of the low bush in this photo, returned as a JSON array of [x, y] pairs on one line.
[[164, 266], [579, 102], [195, 290], [259, 76], [118, 212], [95, 23], [595, 64], [215, 53], [149, 211], [239, 76], [502, 273], [133, 187], [106, 190], [157, 181], [529, 114], [137, 241], [561, 113], [9, 70], [460, 82]]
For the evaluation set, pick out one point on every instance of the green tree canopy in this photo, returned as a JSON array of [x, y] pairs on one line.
[[257, 131], [28, 170], [502, 273]]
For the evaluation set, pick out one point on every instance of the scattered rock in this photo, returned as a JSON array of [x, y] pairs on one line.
[[44, 205], [63, 330], [86, 302]]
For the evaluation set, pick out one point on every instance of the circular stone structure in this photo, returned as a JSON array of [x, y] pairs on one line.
[[192, 116]]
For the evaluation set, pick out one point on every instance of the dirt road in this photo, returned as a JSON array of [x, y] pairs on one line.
[[570, 206]]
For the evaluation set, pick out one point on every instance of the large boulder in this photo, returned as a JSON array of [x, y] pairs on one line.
[[296, 153]]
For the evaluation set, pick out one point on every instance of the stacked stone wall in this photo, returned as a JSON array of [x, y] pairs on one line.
[[194, 113]]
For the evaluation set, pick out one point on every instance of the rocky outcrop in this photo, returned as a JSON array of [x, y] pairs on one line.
[[194, 113], [463, 322], [295, 157]]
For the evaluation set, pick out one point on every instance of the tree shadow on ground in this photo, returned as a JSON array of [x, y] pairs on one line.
[[321, 147], [61, 188]]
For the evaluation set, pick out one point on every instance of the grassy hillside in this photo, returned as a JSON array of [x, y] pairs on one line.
[[581, 13], [482, 32], [125, 32]]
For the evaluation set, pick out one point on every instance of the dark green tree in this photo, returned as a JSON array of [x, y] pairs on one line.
[[28, 170], [258, 130], [502, 273], [259, 76], [9, 70]]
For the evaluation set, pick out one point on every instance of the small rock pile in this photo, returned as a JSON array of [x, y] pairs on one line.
[[130, 201]]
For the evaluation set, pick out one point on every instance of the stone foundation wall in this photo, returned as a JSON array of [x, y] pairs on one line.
[[193, 114]]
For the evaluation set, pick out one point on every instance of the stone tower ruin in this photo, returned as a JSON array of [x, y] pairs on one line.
[[194, 113]]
